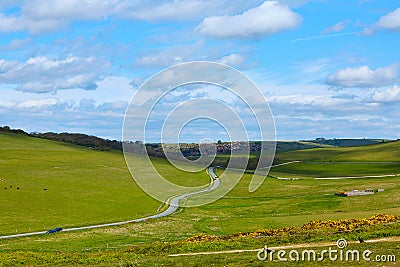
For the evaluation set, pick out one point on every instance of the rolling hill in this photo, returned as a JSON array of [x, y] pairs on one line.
[[45, 184], [84, 186], [381, 152]]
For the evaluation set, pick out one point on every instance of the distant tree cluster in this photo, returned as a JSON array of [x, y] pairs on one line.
[[82, 140], [9, 130], [188, 150]]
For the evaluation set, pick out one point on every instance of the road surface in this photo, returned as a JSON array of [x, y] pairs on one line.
[[173, 206]]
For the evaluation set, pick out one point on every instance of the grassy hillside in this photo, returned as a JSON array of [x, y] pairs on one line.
[[346, 142], [370, 160], [86, 187], [46, 184], [382, 152], [89, 186]]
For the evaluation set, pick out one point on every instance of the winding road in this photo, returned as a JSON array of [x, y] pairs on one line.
[[173, 206]]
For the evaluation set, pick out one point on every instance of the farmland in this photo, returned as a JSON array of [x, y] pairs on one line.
[[88, 187]]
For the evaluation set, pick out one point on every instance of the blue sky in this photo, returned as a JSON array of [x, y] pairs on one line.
[[327, 68]]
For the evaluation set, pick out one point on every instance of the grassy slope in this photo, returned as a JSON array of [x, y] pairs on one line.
[[378, 159], [383, 152], [99, 249], [280, 203], [83, 186], [277, 203]]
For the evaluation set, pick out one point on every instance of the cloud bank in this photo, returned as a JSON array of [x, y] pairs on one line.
[[364, 77]]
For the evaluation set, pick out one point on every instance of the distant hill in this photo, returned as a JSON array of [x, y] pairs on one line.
[[379, 152], [345, 142], [191, 150], [82, 140], [283, 146], [85, 140]]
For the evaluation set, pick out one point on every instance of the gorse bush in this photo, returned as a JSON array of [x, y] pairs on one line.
[[346, 225]]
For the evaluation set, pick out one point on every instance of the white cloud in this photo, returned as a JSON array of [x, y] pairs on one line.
[[171, 10], [390, 22], [40, 16], [389, 95], [233, 59], [309, 101], [338, 27], [268, 18], [170, 55], [54, 114], [158, 59], [15, 44], [364, 77], [42, 74], [68, 10], [38, 103], [14, 24], [7, 104]]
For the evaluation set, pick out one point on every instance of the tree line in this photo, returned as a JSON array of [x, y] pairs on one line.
[[190, 151], [89, 141]]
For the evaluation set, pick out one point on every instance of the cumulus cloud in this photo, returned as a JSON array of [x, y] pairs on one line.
[[389, 95], [389, 22], [59, 115], [338, 27], [268, 18], [233, 59], [42, 74], [40, 16], [364, 77]]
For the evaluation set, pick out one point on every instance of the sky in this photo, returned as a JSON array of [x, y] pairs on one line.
[[327, 68]]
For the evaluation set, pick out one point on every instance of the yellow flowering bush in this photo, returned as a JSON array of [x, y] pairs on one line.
[[339, 225]]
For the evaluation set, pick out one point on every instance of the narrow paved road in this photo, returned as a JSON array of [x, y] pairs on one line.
[[173, 206]]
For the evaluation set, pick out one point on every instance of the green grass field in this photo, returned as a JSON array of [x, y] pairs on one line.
[[383, 152], [45, 184], [87, 187], [370, 160]]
